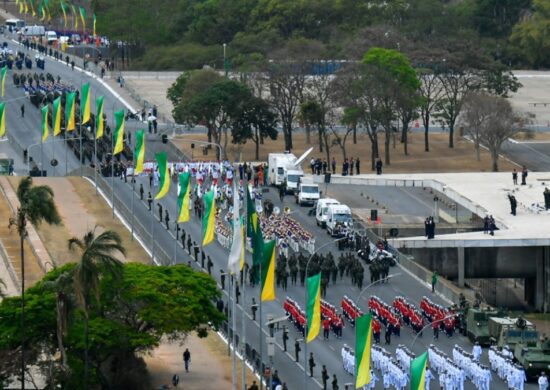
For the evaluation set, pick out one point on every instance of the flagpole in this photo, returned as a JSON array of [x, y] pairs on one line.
[[153, 230], [261, 333], [133, 196], [66, 153], [113, 172], [41, 155], [80, 154], [243, 336], [176, 242], [53, 158], [96, 163], [234, 317]]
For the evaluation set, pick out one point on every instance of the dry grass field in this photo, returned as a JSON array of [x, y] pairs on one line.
[[440, 158]]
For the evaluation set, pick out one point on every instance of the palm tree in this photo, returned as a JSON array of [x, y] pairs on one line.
[[62, 286], [97, 260], [36, 206]]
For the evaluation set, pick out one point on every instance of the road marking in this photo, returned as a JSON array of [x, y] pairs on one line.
[[331, 347]]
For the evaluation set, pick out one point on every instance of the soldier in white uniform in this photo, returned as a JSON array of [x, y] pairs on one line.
[[429, 376], [476, 351], [543, 381]]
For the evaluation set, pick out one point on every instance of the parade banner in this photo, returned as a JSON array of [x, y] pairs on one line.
[[57, 116], [183, 197], [94, 19], [119, 133], [268, 271], [69, 111], [75, 18], [3, 74], [209, 217], [164, 174], [2, 119], [253, 229], [64, 10], [363, 343], [313, 309], [45, 128], [85, 101], [99, 120], [236, 254], [83, 17], [139, 152], [418, 372]]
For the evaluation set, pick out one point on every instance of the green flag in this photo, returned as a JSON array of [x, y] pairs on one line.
[[313, 309], [164, 173], [183, 197], [139, 152], [118, 135], [418, 372], [45, 127], [209, 217], [363, 344]]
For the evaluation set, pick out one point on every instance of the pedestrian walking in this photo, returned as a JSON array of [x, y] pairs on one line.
[[311, 364], [297, 350], [543, 381], [141, 191], [186, 359]]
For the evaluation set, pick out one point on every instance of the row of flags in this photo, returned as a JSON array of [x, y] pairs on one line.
[[43, 7]]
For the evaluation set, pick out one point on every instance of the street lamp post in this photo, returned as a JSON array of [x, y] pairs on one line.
[[305, 306], [430, 324]]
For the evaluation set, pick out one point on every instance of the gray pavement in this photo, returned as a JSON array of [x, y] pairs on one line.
[[25, 131]]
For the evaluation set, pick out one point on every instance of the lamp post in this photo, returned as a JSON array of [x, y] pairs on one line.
[[305, 301], [373, 283], [430, 324]]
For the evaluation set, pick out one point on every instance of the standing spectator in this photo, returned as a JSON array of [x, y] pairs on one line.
[[297, 350], [311, 364], [23, 110], [324, 377], [334, 382], [524, 176], [186, 359], [515, 177], [141, 191], [357, 163], [379, 166], [434, 280], [149, 200], [333, 165]]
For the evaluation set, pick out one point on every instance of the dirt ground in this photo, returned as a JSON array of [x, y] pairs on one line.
[[210, 367], [81, 209], [440, 158]]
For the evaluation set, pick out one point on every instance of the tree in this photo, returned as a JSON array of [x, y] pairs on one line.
[[98, 258], [185, 89], [431, 92], [255, 122], [350, 118], [530, 38], [475, 114], [136, 311], [456, 84], [36, 206], [390, 78], [493, 120], [217, 107]]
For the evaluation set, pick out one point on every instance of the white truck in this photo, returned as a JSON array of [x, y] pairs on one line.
[[33, 31], [284, 169], [278, 164], [338, 218], [308, 192], [321, 210]]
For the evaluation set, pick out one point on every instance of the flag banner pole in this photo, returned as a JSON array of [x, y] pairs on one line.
[[234, 326]]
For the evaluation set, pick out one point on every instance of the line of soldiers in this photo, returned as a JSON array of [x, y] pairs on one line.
[[478, 374], [502, 363], [348, 360], [451, 376]]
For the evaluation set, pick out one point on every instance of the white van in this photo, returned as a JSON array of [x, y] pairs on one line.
[[321, 210], [308, 192], [338, 218], [292, 178], [15, 24], [51, 37], [34, 31]]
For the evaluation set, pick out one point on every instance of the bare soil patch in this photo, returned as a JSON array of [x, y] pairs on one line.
[[440, 158]]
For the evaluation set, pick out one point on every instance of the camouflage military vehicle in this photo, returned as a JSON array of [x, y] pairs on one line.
[[532, 353], [476, 324]]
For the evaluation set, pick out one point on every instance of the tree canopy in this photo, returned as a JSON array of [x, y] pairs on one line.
[[135, 312], [187, 34]]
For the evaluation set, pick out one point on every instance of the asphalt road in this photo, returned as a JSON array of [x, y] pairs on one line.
[[534, 155], [24, 132]]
